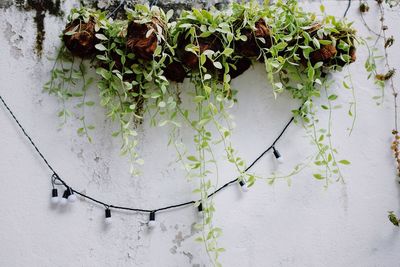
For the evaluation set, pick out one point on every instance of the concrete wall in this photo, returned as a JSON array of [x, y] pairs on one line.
[[279, 225]]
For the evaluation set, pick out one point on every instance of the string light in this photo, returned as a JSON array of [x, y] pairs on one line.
[[64, 199], [108, 218], [69, 194], [54, 196], [243, 186], [200, 210], [152, 220], [277, 155]]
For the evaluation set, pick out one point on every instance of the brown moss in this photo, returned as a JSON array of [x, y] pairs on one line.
[[353, 55], [251, 47], [82, 42], [324, 54], [191, 60], [137, 42], [175, 72]]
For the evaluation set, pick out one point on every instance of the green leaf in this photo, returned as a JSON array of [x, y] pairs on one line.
[[281, 45], [203, 59], [217, 65], [185, 25], [192, 158], [332, 97], [318, 65], [310, 73], [318, 176], [100, 47], [344, 162], [228, 51], [325, 42], [101, 37]]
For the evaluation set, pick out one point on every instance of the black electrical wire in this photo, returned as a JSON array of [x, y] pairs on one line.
[[56, 180], [109, 15], [347, 9]]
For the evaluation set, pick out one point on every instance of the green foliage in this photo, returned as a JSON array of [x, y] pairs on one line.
[[133, 58], [393, 219]]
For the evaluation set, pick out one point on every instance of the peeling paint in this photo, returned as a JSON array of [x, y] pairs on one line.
[[189, 255], [6, 3], [41, 7], [163, 227], [178, 239], [173, 249], [14, 40]]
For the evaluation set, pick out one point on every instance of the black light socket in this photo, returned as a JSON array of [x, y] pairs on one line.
[[200, 207], [66, 193], [276, 153], [152, 216], [108, 213], [54, 192]]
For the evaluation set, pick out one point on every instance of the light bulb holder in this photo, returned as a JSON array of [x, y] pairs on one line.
[[54, 196], [108, 218], [54, 192], [108, 213], [66, 194], [276, 153], [200, 208], [152, 220], [243, 185], [71, 196], [152, 216]]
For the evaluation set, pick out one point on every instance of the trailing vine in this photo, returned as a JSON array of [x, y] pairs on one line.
[[383, 75], [141, 60]]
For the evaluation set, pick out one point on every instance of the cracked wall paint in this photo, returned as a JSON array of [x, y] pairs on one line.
[[301, 225]]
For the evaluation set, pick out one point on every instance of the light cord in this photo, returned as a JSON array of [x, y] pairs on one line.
[[55, 177]]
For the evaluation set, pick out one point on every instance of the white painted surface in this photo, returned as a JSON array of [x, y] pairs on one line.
[[300, 225]]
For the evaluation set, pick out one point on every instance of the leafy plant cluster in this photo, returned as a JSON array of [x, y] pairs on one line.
[[140, 62]]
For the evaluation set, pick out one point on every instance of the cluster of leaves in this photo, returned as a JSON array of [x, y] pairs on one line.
[[137, 58]]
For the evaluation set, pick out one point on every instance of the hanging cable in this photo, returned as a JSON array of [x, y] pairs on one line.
[[56, 180]]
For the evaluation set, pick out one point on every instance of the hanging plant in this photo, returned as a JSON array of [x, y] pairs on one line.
[[141, 59], [384, 81], [132, 55]]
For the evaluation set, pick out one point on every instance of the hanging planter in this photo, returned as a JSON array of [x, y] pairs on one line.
[[142, 38], [79, 34], [253, 40], [139, 59]]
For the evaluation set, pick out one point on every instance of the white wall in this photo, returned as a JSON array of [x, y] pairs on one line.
[[300, 225]]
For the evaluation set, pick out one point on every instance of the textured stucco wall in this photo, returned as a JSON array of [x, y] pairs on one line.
[[300, 225]]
